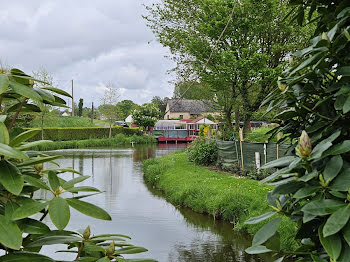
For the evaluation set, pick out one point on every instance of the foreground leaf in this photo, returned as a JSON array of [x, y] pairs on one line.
[[4, 83], [336, 221], [53, 240], [131, 250], [28, 208], [333, 167], [267, 231], [32, 226], [10, 152], [257, 250], [10, 177], [25, 257], [88, 209], [16, 141], [59, 212], [10, 235], [331, 244], [255, 220]]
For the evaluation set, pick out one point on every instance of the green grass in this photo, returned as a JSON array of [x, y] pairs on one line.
[[103, 142], [223, 196], [60, 121]]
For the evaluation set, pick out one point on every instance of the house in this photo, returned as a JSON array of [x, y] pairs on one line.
[[187, 108]]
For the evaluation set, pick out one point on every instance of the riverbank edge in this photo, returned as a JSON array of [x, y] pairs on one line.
[[222, 196], [97, 142]]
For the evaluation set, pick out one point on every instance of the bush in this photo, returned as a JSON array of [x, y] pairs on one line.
[[82, 133], [203, 152]]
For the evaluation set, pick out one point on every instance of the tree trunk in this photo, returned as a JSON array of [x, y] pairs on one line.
[[237, 120], [246, 125], [229, 127], [110, 131]]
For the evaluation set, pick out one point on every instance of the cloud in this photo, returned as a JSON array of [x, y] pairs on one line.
[[92, 42]]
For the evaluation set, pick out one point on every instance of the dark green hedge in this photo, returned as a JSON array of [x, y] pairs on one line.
[[82, 133]]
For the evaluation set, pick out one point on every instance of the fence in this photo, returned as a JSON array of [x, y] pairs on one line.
[[254, 154]]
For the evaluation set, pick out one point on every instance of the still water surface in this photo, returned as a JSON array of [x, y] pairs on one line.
[[170, 233]]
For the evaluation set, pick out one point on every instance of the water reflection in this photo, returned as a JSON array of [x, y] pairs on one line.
[[170, 234]]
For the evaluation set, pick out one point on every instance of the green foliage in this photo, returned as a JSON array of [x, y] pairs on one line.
[[81, 133], [60, 121], [118, 140], [146, 116], [220, 195], [22, 212], [161, 103], [80, 107], [313, 187], [126, 107], [198, 91], [202, 152]]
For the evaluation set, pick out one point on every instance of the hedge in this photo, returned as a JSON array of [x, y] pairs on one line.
[[82, 133]]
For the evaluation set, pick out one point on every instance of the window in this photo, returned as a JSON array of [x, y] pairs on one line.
[[181, 116]]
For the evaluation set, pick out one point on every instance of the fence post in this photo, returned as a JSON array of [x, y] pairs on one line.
[[257, 161], [278, 146], [240, 140], [265, 153]]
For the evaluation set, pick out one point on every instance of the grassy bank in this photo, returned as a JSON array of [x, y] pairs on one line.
[[103, 142], [233, 199]]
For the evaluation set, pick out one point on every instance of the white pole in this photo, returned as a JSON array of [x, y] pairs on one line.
[[257, 161]]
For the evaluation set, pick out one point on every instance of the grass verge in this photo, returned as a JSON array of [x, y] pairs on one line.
[[103, 142], [223, 196]]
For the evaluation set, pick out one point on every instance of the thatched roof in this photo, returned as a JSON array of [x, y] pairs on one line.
[[194, 107]]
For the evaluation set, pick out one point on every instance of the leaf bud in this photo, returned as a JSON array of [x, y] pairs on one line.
[[110, 250], [325, 37], [87, 232], [304, 146], [282, 86]]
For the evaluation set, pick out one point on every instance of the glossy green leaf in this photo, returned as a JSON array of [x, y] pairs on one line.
[[3, 118], [83, 189], [53, 180], [45, 95], [346, 233], [110, 235], [54, 240], [74, 181], [279, 162], [306, 191], [342, 181], [266, 232], [308, 62], [32, 226], [16, 141], [338, 149], [336, 221], [25, 91], [38, 160], [322, 207], [344, 71], [333, 167], [346, 106], [4, 134], [257, 250], [103, 259], [25, 257], [10, 235], [59, 212], [131, 250], [10, 177], [29, 145], [258, 219], [4, 83], [345, 254], [332, 244], [35, 182], [58, 91], [28, 208], [10, 152], [88, 209]]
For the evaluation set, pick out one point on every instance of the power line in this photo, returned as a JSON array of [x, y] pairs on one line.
[[209, 58]]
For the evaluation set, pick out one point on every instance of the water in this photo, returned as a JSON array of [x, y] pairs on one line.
[[170, 233]]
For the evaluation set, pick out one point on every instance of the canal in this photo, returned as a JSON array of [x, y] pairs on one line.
[[171, 234]]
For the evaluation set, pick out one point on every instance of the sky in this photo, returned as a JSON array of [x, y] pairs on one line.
[[92, 42]]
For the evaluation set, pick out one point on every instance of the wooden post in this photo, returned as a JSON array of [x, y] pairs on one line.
[[241, 144], [278, 146]]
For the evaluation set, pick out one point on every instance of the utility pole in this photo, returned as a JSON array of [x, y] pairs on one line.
[[92, 113], [72, 98]]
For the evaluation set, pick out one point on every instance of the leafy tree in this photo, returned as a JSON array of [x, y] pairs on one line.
[[198, 91], [108, 109], [126, 107], [313, 187], [23, 230], [80, 107], [249, 57], [146, 116], [161, 103]]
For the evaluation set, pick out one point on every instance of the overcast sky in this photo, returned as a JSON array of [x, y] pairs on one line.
[[93, 42]]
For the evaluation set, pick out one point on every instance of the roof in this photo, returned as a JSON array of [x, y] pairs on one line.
[[194, 107], [200, 120]]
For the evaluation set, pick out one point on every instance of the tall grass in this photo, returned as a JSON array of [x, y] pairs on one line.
[[103, 142], [223, 196], [60, 121]]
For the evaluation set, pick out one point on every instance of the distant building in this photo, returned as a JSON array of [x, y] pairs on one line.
[[187, 108], [129, 119]]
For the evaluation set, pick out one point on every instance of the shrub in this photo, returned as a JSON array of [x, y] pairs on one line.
[[82, 133], [202, 152]]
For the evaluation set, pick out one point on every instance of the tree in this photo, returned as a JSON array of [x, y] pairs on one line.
[[249, 57], [80, 107], [146, 116], [161, 103], [126, 107], [198, 91], [313, 187], [24, 219], [108, 109]]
